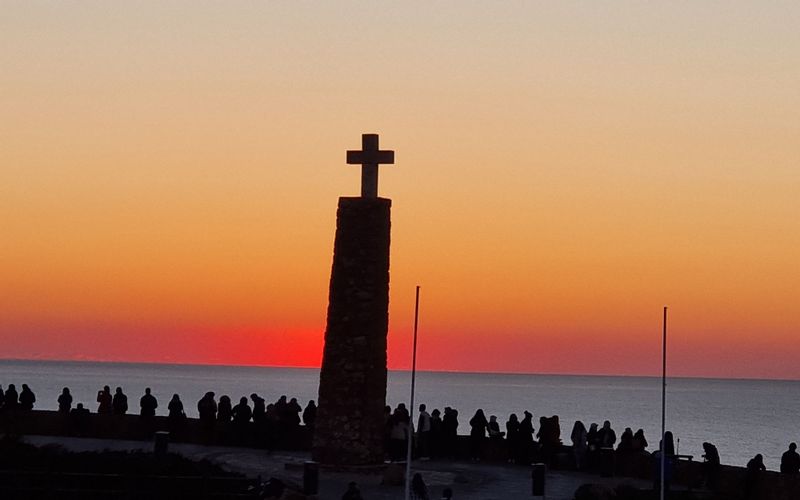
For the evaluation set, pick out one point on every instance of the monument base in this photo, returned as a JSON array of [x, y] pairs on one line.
[[349, 429]]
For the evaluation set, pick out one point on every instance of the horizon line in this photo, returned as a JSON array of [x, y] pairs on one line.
[[462, 372]]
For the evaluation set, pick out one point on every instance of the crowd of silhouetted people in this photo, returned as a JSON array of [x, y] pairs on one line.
[[250, 421], [434, 436]]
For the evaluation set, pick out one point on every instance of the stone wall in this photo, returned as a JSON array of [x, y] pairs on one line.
[[352, 388], [133, 427]]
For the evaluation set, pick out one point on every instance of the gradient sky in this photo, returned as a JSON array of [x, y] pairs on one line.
[[169, 173]]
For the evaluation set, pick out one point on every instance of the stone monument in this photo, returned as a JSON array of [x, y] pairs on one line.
[[352, 383]]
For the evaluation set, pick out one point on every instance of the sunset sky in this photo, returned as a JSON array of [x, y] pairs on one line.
[[169, 174]]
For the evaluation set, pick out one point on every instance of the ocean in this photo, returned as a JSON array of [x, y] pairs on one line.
[[741, 417]]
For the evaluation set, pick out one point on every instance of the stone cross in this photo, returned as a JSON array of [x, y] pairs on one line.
[[369, 158]]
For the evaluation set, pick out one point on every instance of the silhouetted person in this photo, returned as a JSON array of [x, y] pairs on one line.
[[282, 408], [669, 444], [592, 437], [310, 414], [626, 440], [259, 408], [26, 398], [593, 440], [542, 429], [293, 411], [580, 444], [272, 424], [606, 436], [12, 399], [549, 437], [403, 411], [494, 429], [79, 419], [104, 401], [525, 439], [352, 493], [711, 466], [399, 434], [424, 432], [79, 410], [790, 460], [119, 402], [273, 488], [147, 405], [207, 409], [2, 397], [450, 431], [241, 412], [754, 468], [419, 491], [175, 409], [65, 401], [176, 417], [241, 417], [224, 409], [436, 433], [477, 433], [512, 437], [639, 441]]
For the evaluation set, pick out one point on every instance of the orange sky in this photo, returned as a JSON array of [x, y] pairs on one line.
[[169, 177]]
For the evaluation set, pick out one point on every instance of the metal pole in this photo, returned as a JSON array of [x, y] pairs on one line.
[[411, 409], [663, 402]]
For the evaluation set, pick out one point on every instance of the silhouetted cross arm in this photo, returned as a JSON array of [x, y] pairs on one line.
[[369, 158]]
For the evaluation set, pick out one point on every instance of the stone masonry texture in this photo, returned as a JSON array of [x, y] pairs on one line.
[[352, 387]]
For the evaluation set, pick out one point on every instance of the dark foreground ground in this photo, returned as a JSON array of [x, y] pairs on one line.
[[204, 472]]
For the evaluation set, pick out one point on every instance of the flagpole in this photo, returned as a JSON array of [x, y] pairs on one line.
[[411, 409], [663, 402]]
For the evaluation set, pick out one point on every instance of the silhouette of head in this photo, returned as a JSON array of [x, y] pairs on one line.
[[24, 387], [65, 390], [606, 425], [118, 390], [243, 400], [147, 390], [106, 388], [792, 446], [80, 406], [418, 486], [422, 407]]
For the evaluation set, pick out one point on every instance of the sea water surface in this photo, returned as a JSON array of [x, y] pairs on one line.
[[741, 417]]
